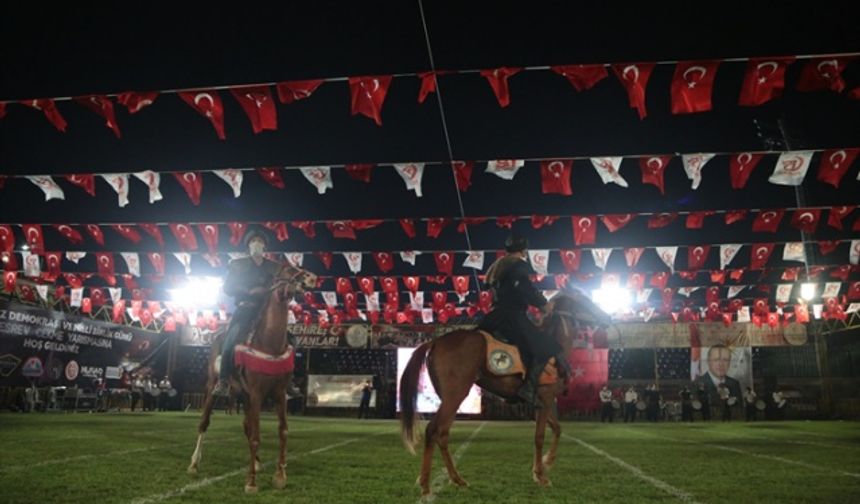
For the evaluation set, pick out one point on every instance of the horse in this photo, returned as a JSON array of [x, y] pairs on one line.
[[271, 338], [458, 359]]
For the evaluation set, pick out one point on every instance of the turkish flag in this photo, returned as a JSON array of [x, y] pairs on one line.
[[412, 283], [207, 102], [697, 255], [834, 165], [741, 167], [368, 95], [444, 262], [341, 229], [570, 259], [104, 262], [118, 311], [469, 221], [84, 180], [854, 291], [237, 232], [695, 220], [293, 91], [102, 106], [634, 77], [801, 313], [439, 300], [827, 247], [192, 182], [692, 85], [582, 77], [653, 168], [506, 221], [68, 232], [590, 371], [343, 286], [53, 260], [767, 221], [555, 177], [408, 227], [428, 85], [258, 105], [436, 225], [498, 79], [210, 236], [389, 285], [359, 172], [764, 80], [325, 258], [821, 74], [584, 229], [307, 227], [384, 261], [272, 176], [280, 230], [463, 174], [659, 279], [661, 220], [184, 236], [34, 238], [461, 285], [127, 231], [759, 255], [733, 216], [136, 101], [96, 232], [10, 278], [837, 214], [615, 222], [49, 108], [366, 284], [806, 219]]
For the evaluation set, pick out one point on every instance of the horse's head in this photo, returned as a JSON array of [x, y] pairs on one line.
[[291, 280], [569, 311]]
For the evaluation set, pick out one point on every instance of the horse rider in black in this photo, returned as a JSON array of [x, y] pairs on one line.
[[513, 292], [248, 281]]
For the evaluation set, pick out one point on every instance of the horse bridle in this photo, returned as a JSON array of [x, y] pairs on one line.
[[280, 281]]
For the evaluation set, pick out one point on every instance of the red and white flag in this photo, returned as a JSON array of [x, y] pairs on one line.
[[119, 183], [258, 105], [153, 181], [272, 176], [85, 181], [184, 236], [498, 79], [353, 260], [34, 237], [696, 256], [759, 254], [632, 255], [366, 285], [102, 106], [661, 220], [360, 172], [136, 101], [609, 169], [601, 257], [582, 77], [293, 91], [834, 165], [279, 228], [667, 255], [105, 265], [411, 174], [127, 231], [461, 287], [791, 168], [68, 232], [208, 104], [444, 262], [384, 261], [806, 219], [435, 226], [734, 290], [412, 283], [693, 165], [49, 108], [295, 259], [505, 168], [416, 301], [831, 290], [614, 222], [463, 174], [75, 256], [584, 229], [854, 254], [372, 302], [474, 260], [408, 256], [184, 259], [233, 178], [821, 74], [48, 186], [341, 229], [210, 236], [368, 95], [692, 85], [7, 237], [132, 262], [741, 167], [727, 253], [636, 282], [192, 183], [828, 246], [653, 168], [43, 292], [237, 232], [634, 77], [570, 258], [539, 260], [76, 297], [319, 176], [555, 177], [157, 261], [53, 261], [764, 80], [794, 251], [696, 220], [32, 266], [767, 221], [330, 298]]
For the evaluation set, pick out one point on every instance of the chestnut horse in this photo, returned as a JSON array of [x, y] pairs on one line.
[[270, 336], [458, 359]]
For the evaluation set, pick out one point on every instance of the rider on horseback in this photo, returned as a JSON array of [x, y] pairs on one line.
[[248, 281], [513, 293]]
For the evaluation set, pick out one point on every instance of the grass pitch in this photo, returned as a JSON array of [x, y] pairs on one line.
[[141, 458]]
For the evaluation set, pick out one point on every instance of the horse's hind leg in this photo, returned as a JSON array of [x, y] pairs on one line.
[[280, 478], [555, 425], [445, 417], [201, 430], [252, 431], [547, 399]]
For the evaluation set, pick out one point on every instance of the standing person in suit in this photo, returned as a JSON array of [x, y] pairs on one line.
[[719, 362], [630, 400], [705, 400], [724, 398], [749, 404], [606, 411], [686, 405]]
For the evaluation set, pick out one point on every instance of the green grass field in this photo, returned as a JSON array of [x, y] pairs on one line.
[[142, 458]]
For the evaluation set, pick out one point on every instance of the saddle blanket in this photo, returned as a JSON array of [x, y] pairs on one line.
[[505, 360], [263, 363]]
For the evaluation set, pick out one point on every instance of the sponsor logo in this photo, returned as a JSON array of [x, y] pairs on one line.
[[33, 368], [72, 370], [8, 364], [92, 372]]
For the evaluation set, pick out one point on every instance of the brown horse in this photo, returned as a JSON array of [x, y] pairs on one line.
[[458, 359], [270, 337]]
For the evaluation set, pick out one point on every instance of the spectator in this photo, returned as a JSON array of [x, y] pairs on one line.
[[364, 406], [749, 404], [606, 411], [630, 400]]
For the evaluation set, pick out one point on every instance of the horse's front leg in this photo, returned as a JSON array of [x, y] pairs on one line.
[[538, 470]]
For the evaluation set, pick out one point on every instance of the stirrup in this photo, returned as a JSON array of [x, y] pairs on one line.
[[222, 388]]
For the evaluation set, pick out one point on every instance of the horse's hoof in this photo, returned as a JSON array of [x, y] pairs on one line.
[[548, 462], [459, 481], [279, 483], [250, 489], [541, 480], [192, 469]]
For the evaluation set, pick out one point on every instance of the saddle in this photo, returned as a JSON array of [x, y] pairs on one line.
[[504, 359]]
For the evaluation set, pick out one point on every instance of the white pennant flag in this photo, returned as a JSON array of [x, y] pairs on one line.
[[31, 263], [831, 290], [153, 181], [291, 317], [132, 261], [474, 259], [353, 259], [427, 315], [783, 292], [853, 307], [734, 290], [416, 300], [185, 259], [549, 294], [854, 254], [213, 260], [330, 298], [77, 297], [609, 169], [411, 174], [236, 255], [693, 164], [233, 178], [686, 291], [539, 260], [648, 313], [817, 309], [744, 314], [115, 294], [667, 255], [642, 295], [505, 168], [794, 251], [601, 257], [295, 259], [791, 168], [727, 253], [119, 182], [43, 292], [408, 256], [75, 256], [372, 301], [319, 176], [48, 186]]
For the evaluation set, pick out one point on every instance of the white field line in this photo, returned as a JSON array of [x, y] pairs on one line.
[[439, 481], [656, 483]]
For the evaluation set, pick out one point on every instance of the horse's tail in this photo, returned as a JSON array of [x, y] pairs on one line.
[[409, 397]]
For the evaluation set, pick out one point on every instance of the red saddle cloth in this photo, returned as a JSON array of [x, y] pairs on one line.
[[263, 363]]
